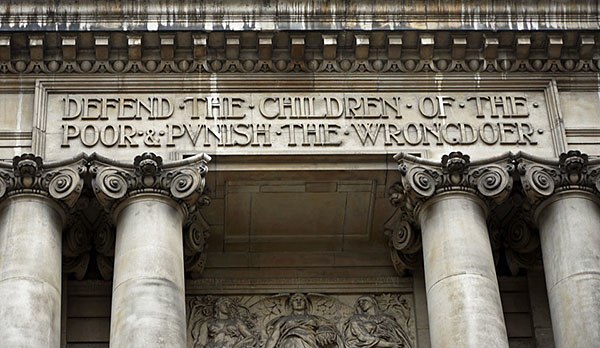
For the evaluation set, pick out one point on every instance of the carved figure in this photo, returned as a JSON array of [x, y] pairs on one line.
[[224, 330], [369, 328], [300, 329]]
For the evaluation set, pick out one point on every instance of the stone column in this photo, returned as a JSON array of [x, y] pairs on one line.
[[566, 204], [149, 203], [35, 202], [450, 203]]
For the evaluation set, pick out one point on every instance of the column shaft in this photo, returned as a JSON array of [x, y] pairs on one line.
[[463, 299], [30, 271], [569, 225], [148, 302]]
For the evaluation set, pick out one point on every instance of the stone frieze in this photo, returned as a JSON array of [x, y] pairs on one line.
[[301, 320]]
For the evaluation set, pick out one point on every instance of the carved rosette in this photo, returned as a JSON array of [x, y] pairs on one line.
[[183, 181], [573, 171], [491, 180], [62, 181]]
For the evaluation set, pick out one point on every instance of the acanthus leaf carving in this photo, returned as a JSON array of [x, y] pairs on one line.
[[491, 179], [77, 243], [404, 238]]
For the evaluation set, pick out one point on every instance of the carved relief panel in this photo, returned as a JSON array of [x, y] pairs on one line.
[[301, 320]]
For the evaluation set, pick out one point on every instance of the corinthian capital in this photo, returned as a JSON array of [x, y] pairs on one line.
[[27, 173], [573, 171], [182, 181], [490, 179]]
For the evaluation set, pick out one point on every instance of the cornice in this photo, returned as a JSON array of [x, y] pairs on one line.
[[319, 52], [86, 15]]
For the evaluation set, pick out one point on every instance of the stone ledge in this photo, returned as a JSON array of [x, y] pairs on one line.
[[86, 15]]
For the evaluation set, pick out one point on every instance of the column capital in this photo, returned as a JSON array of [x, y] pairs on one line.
[[421, 180], [543, 178], [182, 181], [490, 179], [28, 174]]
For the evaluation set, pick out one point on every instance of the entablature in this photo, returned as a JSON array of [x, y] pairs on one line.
[[299, 51]]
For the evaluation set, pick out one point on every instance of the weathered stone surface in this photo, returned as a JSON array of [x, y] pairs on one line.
[[308, 320], [35, 202]]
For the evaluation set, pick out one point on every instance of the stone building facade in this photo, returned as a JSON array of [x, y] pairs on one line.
[[299, 174]]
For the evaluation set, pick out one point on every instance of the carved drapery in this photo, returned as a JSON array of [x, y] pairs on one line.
[[301, 320]]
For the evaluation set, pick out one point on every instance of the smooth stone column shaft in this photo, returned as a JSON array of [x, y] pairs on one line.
[[30, 271], [148, 300], [463, 299], [569, 225]]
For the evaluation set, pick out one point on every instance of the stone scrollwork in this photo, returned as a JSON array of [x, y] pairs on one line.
[[404, 236], [77, 243], [62, 181], [370, 327], [573, 170], [183, 181], [195, 243], [490, 179], [301, 320]]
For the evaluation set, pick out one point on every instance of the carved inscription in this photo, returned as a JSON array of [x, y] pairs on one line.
[[301, 123], [301, 320]]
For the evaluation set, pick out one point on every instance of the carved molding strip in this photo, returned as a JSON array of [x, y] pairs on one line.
[[513, 233], [339, 285], [463, 51]]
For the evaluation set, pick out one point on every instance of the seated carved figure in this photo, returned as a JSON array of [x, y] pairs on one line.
[[369, 328], [224, 330], [300, 329]]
